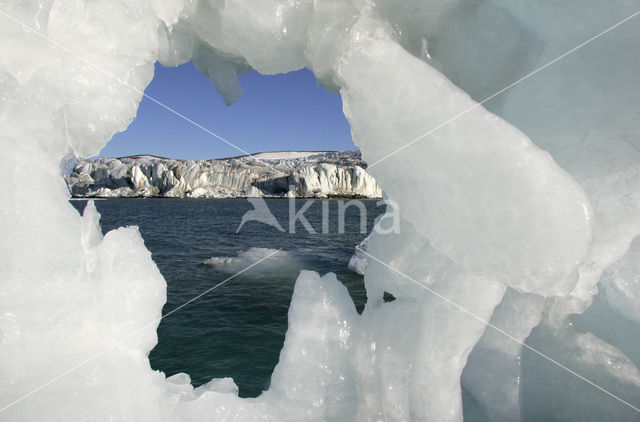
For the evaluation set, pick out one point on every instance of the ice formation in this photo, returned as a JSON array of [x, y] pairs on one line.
[[358, 262], [518, 210], [285, 174], [274, 260]]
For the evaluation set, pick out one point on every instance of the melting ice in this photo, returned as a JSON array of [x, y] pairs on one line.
[[518, 210]]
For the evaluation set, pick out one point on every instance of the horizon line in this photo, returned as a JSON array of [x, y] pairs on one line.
[[220, 158]]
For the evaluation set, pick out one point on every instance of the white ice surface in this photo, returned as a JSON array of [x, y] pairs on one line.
[[513, 211], [283, 155], [275, 260], [358, 262]]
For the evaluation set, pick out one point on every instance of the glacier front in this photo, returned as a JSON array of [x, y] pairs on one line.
[[302, 174], [506, 132]]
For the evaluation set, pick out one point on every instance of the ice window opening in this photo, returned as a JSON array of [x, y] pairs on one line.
[[521, 211], [236, 331]]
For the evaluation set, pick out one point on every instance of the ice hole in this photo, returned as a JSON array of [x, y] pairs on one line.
[[388, 297], [237, 330]]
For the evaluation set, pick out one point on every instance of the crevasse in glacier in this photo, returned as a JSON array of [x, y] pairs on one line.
[[519, 211]]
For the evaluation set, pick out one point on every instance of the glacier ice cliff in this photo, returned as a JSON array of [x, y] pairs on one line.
[[513, 156], [285, 174]]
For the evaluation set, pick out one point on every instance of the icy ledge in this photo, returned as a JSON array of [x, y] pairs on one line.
[[275, 174], [520, 211]]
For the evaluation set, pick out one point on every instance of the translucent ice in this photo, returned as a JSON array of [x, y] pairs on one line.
[[515, 211]]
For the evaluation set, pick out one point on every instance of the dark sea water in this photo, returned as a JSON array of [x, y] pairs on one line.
[[236, 330]]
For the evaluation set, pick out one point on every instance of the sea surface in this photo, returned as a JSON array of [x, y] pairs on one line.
[[237, 330]]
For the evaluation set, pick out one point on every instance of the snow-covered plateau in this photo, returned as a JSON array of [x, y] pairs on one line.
[[506, 132], [301, 174]]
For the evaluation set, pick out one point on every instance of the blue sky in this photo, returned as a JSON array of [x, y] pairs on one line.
[[282, 112]]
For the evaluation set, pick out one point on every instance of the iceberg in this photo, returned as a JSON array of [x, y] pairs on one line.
[[506, 132], [275, 260]]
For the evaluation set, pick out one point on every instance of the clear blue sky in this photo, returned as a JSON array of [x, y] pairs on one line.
[[282, 112]]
